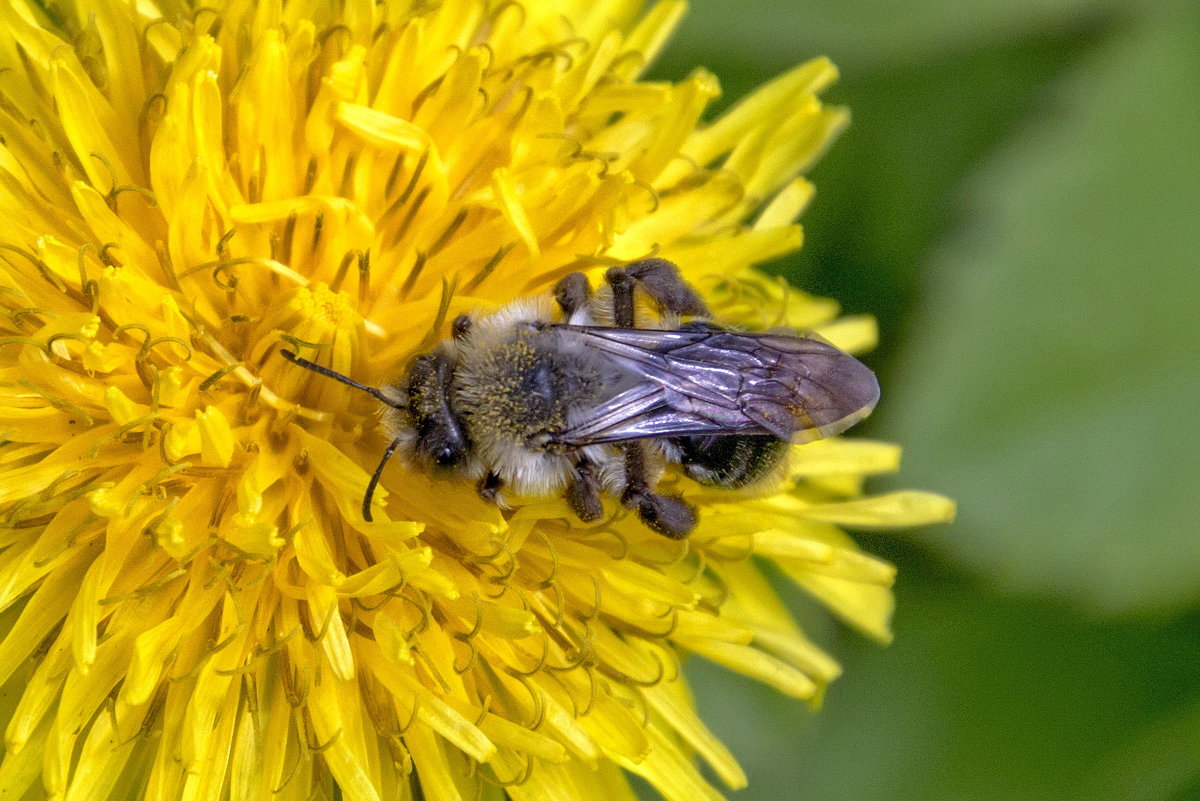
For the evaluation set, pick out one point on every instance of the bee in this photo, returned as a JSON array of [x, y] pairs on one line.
[[579, 401]]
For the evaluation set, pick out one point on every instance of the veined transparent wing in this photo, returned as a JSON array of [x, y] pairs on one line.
[[723, 382]]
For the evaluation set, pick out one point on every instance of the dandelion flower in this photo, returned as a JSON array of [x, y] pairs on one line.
[[193, 605]]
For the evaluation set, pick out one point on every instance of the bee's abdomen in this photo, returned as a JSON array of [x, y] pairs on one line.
[[730, 461]]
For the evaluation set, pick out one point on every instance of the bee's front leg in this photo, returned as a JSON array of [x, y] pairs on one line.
[[461, 326], [489, 488]]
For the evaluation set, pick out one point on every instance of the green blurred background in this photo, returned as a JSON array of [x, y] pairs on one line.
[[1017, 201]]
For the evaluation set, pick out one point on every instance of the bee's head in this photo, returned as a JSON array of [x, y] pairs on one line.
[[441, 440], [423, 399]]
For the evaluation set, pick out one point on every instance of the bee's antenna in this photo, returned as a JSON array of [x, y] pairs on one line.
[[336, 376], [374, 482]]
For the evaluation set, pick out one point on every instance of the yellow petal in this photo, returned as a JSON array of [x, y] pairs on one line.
[[891, 510], [217, 441], [840, 456]]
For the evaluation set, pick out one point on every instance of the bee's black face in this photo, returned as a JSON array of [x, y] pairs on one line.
[[441, 440]]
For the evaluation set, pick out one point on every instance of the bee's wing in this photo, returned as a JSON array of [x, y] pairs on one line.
[[723, 382]]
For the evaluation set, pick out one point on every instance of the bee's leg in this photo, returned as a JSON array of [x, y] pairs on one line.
[[622, 296], [489, 488], [668, 515], [662, 282], [583, 493], [572, 292], [460, 326]]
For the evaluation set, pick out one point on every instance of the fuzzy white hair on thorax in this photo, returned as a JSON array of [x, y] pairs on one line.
[[498, 324]]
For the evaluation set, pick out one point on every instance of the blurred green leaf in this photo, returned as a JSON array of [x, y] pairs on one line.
[[981, 697], [860, 34], [1052, 379], [1159, 763], [886, 190]]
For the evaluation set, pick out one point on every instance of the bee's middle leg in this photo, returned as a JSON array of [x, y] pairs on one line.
[[572, 292], [583, 493]]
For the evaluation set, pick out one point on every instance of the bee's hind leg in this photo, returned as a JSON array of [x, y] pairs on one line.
[[661, 281], [668, 515]]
